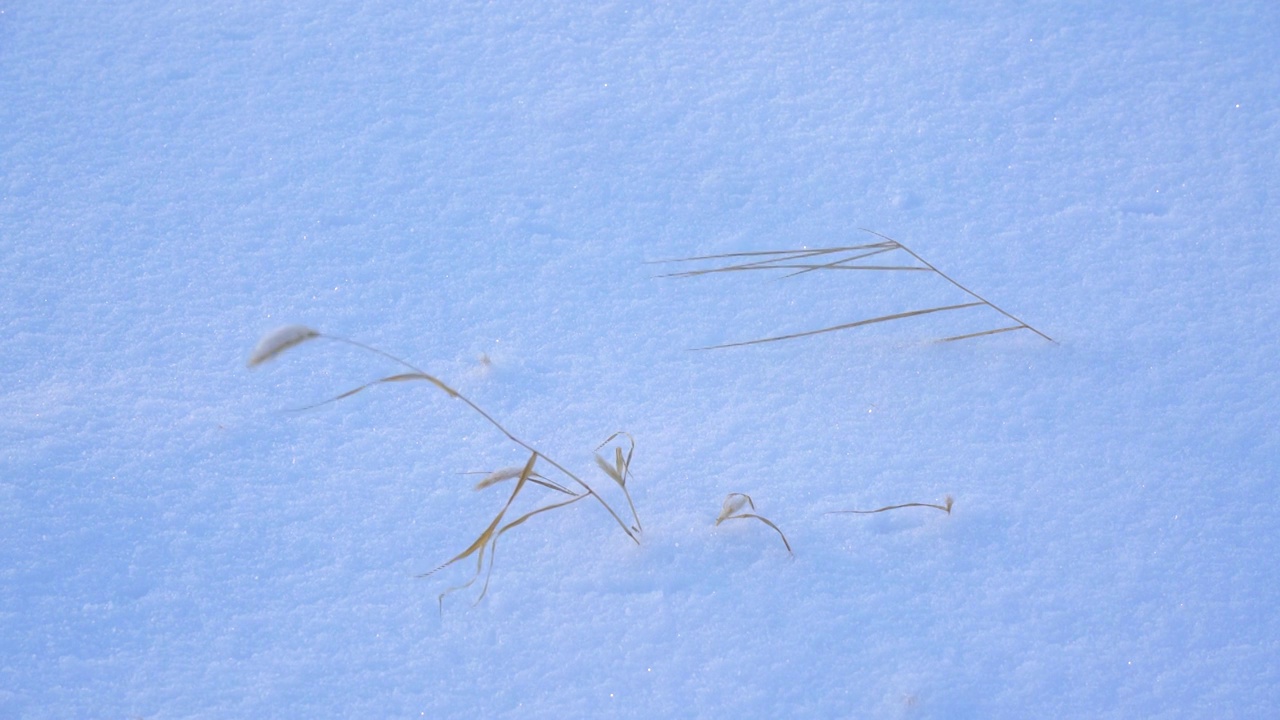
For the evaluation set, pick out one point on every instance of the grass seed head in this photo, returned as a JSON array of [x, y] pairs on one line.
[[498, 476], [279, 340], [733, 502]]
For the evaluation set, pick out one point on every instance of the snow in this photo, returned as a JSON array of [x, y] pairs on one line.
[[477, 188]]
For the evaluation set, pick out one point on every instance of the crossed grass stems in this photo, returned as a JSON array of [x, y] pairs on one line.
[[847, 258], [618, 469], [484, 548]]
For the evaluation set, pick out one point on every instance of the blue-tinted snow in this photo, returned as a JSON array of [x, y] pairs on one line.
[[458, 181]]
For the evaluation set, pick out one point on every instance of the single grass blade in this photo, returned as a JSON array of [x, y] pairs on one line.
[[948, 502], [980, 334], [768, 522], [731, 510], [525, 518], [846, 326], [403, 377]]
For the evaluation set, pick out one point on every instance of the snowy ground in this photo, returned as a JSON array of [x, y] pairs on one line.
[[476, 187]]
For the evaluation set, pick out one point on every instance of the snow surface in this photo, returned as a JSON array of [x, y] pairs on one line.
[[476, 187]]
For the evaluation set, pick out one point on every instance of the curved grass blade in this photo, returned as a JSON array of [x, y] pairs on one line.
[[498, 476], [402, 377], [620, 472], [733, 504], [477, 547], [279, 340], [948, 502], [845, 326], [997, 331]]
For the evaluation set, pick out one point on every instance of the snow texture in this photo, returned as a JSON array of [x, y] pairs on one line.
[[477, 188]]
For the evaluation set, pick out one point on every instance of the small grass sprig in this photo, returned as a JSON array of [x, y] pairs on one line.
[[732, 510], [484, 547], [620, 470], [487, 542], [944, 507], [847, 258]]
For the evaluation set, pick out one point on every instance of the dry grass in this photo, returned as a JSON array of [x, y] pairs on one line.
[[732, 510], [555, 487], [847, 258], [945, 507], [484, 547]]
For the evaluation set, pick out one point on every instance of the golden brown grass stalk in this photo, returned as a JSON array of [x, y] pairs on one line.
[[276, 342]]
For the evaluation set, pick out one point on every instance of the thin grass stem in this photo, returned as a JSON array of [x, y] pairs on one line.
[[480, 411], [946, 508], [846, 326], [951, 280], [980, 334]]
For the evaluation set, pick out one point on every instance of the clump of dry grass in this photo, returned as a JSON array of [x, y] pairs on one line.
[[732, 510], [484, 547], [620, 470], [848, 258], [945, 507]]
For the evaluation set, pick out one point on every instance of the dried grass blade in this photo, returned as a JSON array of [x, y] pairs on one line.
[[279, 340], [768, 522], [846, 326], [980, 334], [610, 471], [765, 253], [778, 260], [842, 261], [951, 280], [882, 268], [948, 502], [498, 476], [505, 474], [486, 539], [335, 398], [403, 377], [733, 502], [493, 547], [485, 536], [801, 269], [622, 470], [539, 479], [547, 508]]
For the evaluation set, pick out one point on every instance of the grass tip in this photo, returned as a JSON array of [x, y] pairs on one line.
[[279, 340]]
